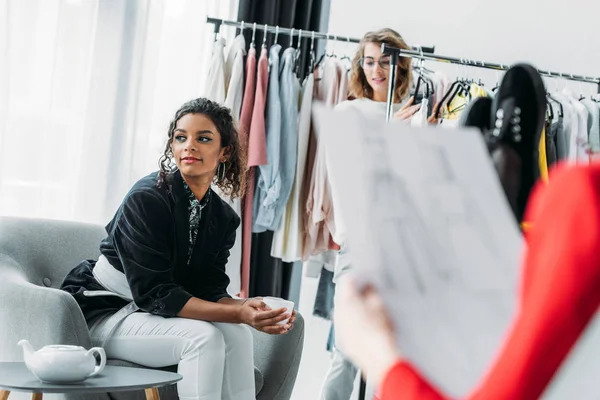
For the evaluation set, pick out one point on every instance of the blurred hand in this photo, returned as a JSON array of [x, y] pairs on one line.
[[364, 332], [257, 314], [407, 110], [433, 118]]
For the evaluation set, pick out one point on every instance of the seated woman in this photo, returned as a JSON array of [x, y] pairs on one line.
[[559, 296], [157, 294]]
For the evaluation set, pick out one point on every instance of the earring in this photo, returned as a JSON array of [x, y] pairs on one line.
[[221, 171]]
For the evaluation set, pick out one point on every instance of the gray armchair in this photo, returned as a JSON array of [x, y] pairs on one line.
[[36, 255]]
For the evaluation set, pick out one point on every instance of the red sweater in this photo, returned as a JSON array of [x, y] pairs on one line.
[[559, 294]]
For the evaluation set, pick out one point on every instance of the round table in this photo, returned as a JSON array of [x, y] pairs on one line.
[[14, 376]]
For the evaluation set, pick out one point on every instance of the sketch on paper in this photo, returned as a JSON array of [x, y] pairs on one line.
[[429, 226]]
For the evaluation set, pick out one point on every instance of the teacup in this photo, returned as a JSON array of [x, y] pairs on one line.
[[276, 303]]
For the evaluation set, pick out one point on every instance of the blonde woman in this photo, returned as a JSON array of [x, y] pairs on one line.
[[368, 96], [369, 78]]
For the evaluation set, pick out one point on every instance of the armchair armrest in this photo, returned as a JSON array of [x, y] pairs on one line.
[[278, 359], [39, 314]]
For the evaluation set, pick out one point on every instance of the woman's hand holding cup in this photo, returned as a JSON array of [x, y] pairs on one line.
[[269, 315]]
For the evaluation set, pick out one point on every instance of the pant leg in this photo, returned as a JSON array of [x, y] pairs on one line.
[[197, 347], [238, 380], [339, 382]]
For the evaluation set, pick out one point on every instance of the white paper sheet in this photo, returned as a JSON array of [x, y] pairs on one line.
[[429, 226]]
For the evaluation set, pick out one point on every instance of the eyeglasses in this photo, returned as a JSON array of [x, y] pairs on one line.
[[369, 63]]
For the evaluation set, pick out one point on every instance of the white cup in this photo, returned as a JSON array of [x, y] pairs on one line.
[[276, 303]]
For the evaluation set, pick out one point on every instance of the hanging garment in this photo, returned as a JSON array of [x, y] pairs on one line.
[[268, 182], [477, 91], [551, 156], [542, 159], [582, 132], [287, 243], [268, 275], [558, 131], [257, 142], [257, 154], [244, 129], [450, 118], [568, 122], [234, 77], [419, 119], [282, 143], [578, 132], [234, 85], [593, 124], [456, 107], [289, 133], [344, 84], [319, 218], [441, 85], [215, 84]]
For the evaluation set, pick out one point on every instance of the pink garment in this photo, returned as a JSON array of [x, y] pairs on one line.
[[257, 151], [257, 145], [244, 128]]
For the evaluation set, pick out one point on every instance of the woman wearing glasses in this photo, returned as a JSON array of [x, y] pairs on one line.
[[368, 93], [369, 78]]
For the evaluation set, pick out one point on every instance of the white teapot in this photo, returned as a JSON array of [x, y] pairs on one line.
[[62, 363]]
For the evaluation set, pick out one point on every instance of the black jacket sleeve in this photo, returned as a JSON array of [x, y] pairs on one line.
[[142, 235], [217, 287]]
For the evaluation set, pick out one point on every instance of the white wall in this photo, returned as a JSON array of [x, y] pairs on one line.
[[558, 35]]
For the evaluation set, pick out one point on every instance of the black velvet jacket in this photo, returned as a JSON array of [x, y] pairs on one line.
[[148, 240]]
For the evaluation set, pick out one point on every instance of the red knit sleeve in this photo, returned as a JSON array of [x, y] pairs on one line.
[[560, 280], [402, 382]]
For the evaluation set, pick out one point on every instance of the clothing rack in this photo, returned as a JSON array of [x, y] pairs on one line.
[[300, 33], [395, 52]]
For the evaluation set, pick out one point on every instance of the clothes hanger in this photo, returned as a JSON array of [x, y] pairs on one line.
[[581, 96], [449, 95], [561, 111], [345, 56], [253, 34], [298, 51], [420, 79], [458, 87], [333, 54], [266, 31], [311, 64], [218, 32], [497, 86], [425, 77], [324, 53]]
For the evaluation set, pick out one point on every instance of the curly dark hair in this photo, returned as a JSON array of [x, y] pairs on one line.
[[233, 181]]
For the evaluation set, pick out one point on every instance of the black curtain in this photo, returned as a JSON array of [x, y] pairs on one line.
[[270, 276], [309, 15]]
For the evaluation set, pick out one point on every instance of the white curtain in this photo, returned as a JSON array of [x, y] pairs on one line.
[[87, 91]]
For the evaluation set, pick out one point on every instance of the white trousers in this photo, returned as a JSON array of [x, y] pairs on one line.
[[215, 359], [339, 382]]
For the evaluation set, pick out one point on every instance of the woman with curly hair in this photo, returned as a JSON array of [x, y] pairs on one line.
[[157, 295]]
